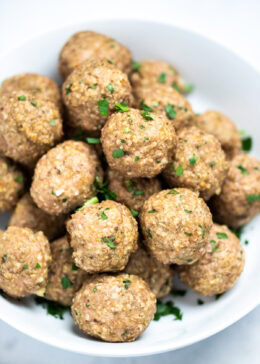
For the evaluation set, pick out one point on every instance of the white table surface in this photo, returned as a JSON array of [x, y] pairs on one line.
[[234, 23]]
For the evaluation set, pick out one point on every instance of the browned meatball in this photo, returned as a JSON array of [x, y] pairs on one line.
[[221, 266], [38, 85], [91, 93], [198, 163], [158, 276], [176, 225], [27, 214], [87, 44], [24, 260], [114, 308], [11, 184], [63, 178], [169, 102], [152, 73], [102, 236], [224, 129], [239, 200], [138, 144], [65, 278], [132, 192], [29, 126]]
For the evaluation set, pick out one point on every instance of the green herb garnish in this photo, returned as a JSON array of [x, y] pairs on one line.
[[165, 309], [37, 265], [222, 235], [162, 78], [171, 113], [193, 160], [179, 170], [21, 98], [53, 308], [253, 198], [65, 282], [152, 211], [93, 140], [110, 241], [122, 107], [103, 216], [247, 144], [146, 115], [136, 66], [19, 179], [52, 122], [118, 153], [68, 89], [134, 213], [127, 283], [145, 107], [110, 88], [214, 245], [103, 106], [242, 169], [173, 192]]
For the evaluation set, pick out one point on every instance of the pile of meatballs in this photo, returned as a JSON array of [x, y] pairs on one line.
[[114, 183]]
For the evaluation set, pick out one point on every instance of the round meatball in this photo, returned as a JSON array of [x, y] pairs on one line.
[[91, 93], [158, 276], [29, 126], [64, 177], [27, 214], [114, 308], [65, 278], [198, 163], [132, 192], [87, 44], [152, 73], [138, 144], [25, 257], [224, 129], [11, 184], [221, 266], [239, 200], [176, 225], [37, 85], [168, 101], [102, 236]]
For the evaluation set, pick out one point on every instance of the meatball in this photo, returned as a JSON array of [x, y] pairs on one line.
[[224, 129], [87, 44], [38, 85], [114, 308], [152, 73], [221, 266], [63, 178], [166, 100], [102, 236], [239, 200], [11, 184], [176, 225], [91, 93], [138, 144], [29, 126], [132, 192], [27, 214], [25, 257], [158, 276], [65, 278], [198, 163]]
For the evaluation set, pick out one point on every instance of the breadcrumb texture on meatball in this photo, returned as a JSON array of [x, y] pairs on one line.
[[218, 270], [102, 236], [114, 308], [24, 260], [86, 45], [11, 184], [239, 200], [136, 145], [176, 225], [64, 177], [198, 163], [64, 278]]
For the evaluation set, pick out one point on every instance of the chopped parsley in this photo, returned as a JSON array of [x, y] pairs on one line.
[[95, 289], [103, 216], [171, 113], [134, 213], [188, 88], [118, 153], [146, 115], [165, 309], [137, 159], [193, 160], [212, 164], [74, 267], [126, 130], [162, 78], [93, 140], [93, 86], [247, 144], [21, 98], [110, 61], [188, 234], [33, 103], [200, 301], [203, 230], [37, 265], [110, 241], [91, 201], [103, 106], [218, 296], [176, 87], [178, 292], [152, 211], [242, 169], [4, 257], [53, 308], [188, 211], [127, 283], [52, 122], [214, 245], [145, 107], [149, 233], [222, 235], [253, 198], [110, 88], [68, 89], [19, 179], [142, 127], [179, 170], [103, 192], [138, 193], [65, 282], [123, 141], [136, 66], [122, 107], [246, 242], [25, 266], [173, 192]]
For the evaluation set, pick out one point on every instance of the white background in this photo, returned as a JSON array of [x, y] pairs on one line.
[[234, 23]]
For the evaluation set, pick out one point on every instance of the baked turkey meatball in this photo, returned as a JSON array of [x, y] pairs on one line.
[[87, 44], [38, 85], [239, 200], [91, 93], [166, 100], [224, 129], [114, 308], [198, 163], [138, 143], [176, 225], [63, 178], [158, 276], [132, 192], [24, 260], [11, 184], [221, 266], [102, 236], [27, 214], [152, 73], [29, 126], [65, 278]]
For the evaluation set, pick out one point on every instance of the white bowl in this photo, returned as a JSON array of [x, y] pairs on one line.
[[224, 82]]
